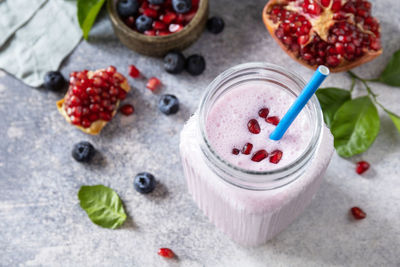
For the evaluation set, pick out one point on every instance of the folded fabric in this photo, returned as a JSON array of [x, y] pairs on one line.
[[41, 43], [14, 14]]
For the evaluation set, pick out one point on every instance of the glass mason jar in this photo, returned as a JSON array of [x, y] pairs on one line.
[[252, 206]]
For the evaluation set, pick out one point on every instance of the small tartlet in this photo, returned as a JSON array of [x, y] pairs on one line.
[[96, 126]]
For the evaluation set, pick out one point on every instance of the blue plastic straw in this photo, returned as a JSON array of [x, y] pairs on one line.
[[318, 77]]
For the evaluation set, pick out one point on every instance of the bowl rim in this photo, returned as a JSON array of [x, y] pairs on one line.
[[117, 21]]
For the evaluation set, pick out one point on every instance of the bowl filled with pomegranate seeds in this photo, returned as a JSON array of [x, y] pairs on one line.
[[155, 27]]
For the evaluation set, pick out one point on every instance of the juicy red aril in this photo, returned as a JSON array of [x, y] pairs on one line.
[[247, 148], [168, 17], [166, 252], [362, 166], [253, 126], [153, 83], [111, 69], [133, 71], [276, 156], [259, 155], [150, 32], [86, 123], [121, 94], [273, 120], [235, 151], [158, 25], [127, 109], [263, 113], [358, 213], [162, 33], [149, 12]]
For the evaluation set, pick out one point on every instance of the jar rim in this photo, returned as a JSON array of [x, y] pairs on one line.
[[249, 179]]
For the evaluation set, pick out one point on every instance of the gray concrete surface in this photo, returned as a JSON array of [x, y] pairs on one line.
[[41, 223]]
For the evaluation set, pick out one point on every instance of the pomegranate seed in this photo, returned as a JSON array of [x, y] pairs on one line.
[[105, 116], [247, 148], [130, 21], [358, 213], [75, 120], [263, 113], [74, 101], [253, 126], [259, 155], [133, 71], [86, 123], [127, 109], [150, 32], [303, 39], [168, 17], [153, 83], [159, 25], [325, 3], [166, 252], [362, 166], [273, 120], [149, 12], [155, 7], [122, 94], [113, 91], [93, 117], [235, 151], [175, 27], [111, 70], [276, 156]]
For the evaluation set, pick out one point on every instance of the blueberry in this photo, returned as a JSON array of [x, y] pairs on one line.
[[174, 62], [215, 25], [144, 182], [156, 2], [54, 80], [143, 23], [182, 6], [83, 151], [168, 104], [127, 8], [195, 64]]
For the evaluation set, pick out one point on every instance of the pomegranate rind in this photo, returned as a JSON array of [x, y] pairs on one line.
[[343, 66], [96, 126]]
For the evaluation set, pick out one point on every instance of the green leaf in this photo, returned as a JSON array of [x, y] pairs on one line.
[[102, 205], [355, 126], [395, 118], [330, 100], [87, 13], [391, 73]]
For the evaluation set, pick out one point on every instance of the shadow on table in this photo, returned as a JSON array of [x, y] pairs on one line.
[[324, 234]]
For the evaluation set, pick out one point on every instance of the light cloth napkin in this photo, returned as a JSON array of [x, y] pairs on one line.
[[36, 43]]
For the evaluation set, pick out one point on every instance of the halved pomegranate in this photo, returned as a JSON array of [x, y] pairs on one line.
[[340, 34], [93, 98]]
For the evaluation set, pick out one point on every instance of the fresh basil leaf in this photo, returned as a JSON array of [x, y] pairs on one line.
[[355, 126], [87, 13], [395, 118], [391, 73], [102, 205], [330, 100]]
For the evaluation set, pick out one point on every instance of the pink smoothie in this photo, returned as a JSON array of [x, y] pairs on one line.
[[248, 215], [227, 125]]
